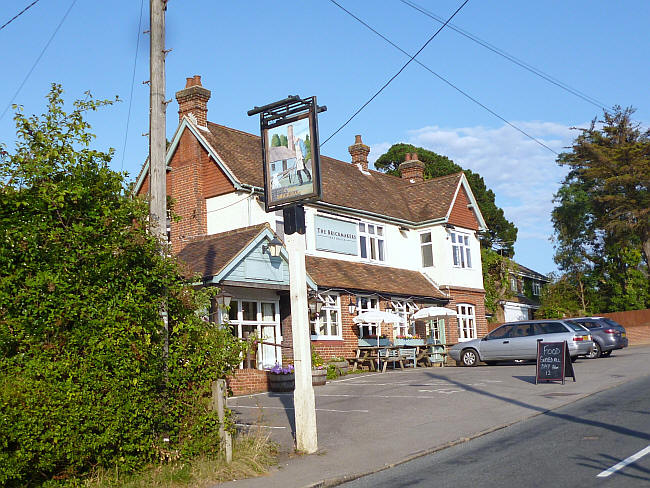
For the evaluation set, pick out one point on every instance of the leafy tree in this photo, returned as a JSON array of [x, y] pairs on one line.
[[560, 298], [496, 272], [81, 286], [275, 140], [501, 233], [602, 213], [284, 141]]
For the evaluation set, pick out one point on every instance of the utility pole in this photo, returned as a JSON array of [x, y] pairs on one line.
[[157, 139]]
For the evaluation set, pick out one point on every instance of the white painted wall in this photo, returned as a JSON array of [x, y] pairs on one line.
[[240, 209]]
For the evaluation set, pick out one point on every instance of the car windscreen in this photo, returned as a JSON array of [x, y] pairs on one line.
[[575, 326], [499, 333]]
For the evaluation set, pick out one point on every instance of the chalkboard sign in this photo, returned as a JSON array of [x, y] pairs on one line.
[[553, 362]]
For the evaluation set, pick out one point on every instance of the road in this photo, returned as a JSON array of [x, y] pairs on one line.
[[579, 445]]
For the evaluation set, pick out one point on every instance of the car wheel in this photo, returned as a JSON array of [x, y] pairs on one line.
[[469, 357], [595, 352], [605, 354]]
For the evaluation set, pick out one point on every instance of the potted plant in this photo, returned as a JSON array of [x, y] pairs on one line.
[[282, 378], [339, 364], [318, 370]]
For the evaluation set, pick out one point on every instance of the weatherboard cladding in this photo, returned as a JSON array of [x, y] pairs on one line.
[[343, 184], [207, 256]]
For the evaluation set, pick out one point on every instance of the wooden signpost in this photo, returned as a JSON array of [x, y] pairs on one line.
[[553, 362]]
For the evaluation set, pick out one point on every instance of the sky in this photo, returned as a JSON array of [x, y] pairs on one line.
[[256, 52]]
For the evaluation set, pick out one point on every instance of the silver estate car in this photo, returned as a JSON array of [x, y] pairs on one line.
[[518, 340]]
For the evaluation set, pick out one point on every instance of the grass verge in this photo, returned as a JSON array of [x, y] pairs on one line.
[[253, 454]]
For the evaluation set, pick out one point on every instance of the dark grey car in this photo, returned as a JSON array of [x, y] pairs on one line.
[[607, 335]]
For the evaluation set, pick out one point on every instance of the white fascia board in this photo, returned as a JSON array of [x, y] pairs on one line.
[[482, 226]]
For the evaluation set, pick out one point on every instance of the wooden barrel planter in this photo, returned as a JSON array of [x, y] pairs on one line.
[[341, 367], [318, 376], [282, 383]]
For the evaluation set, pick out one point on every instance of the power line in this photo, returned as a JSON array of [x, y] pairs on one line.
[[37, 60], [510, 57], [19, 14], [135, 62], [440, 77], [396, 74]]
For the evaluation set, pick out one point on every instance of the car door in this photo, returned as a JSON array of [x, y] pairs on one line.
[[522, 342], [550, 332], [496, 345]]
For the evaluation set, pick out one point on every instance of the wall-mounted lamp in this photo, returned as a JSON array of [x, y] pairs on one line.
[[273, 248], [223, 299], [315, 307], [351, 307]]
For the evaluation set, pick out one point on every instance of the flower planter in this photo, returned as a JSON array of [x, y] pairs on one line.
[[318, 376], [409, 342], [341, 367], [282, 383], [373, 342]]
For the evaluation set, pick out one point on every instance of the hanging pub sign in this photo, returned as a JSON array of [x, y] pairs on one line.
[[290, 152]]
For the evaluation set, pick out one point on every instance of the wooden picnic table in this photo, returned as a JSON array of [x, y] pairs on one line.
[[373, 356]]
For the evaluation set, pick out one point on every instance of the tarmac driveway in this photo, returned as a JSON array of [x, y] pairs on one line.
[[368, 421]]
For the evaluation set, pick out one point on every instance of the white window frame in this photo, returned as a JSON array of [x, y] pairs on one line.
[[513, 284], [372, 303], [428, 245], [259, 322], [372, 238], [537, 288], [461, 249], [466, 318], [403, 308], [331, 303]]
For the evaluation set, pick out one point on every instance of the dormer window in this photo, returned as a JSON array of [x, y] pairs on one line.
[[371, 242]]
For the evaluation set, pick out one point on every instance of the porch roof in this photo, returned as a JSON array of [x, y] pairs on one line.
[[334, 273]]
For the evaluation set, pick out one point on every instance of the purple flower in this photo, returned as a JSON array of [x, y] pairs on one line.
[[277, 369]]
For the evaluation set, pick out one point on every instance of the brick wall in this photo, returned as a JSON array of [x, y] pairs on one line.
[[460, 214], [472, 297], [247, 381]]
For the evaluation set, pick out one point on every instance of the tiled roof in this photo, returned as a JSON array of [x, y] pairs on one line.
[[343, 183], [530, 273], [208, 255], [334, 273], [524, 300]]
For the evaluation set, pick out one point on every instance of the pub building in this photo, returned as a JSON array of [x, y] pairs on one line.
[[373, 242]]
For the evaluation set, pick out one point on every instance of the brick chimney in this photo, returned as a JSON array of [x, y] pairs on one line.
[[359, 152], [412, 169], [193, 101]]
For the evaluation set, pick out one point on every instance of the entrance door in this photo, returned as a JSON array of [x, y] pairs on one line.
[[436, 337], [270, 335]]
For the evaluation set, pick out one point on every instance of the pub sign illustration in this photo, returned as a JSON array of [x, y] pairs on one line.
[[290, 161], [290, 151]]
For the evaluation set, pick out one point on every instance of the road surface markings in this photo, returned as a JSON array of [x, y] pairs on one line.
[[624, 463], [262, 407], [377, 396]]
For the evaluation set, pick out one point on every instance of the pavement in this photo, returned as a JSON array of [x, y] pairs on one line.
[[372, 421]]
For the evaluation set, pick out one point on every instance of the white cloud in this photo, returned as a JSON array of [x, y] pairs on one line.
[[522, 173]]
